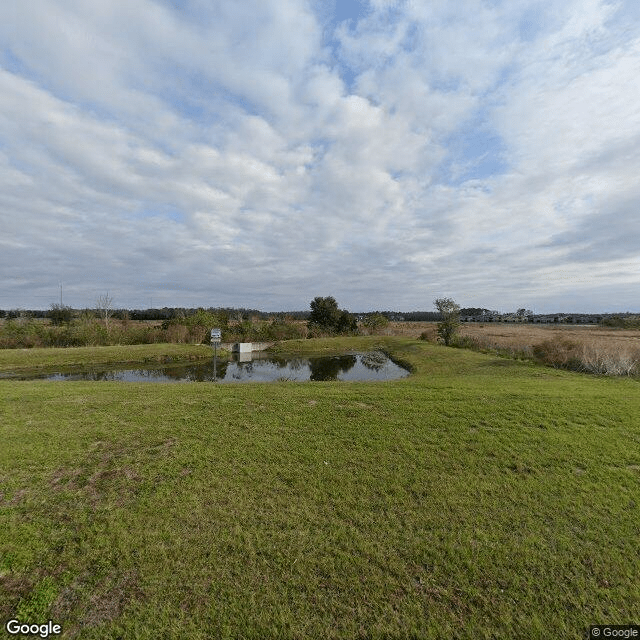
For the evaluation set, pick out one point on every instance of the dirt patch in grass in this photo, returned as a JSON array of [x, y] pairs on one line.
[[14, 587], [18, 496], [98, 603], [110, 599], [105, 476]]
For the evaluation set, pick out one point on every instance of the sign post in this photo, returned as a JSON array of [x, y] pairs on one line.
[[216, 339]]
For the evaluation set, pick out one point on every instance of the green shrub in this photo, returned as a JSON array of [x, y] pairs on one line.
[[429, 336], [375, 322], [86, 330], [60, 314], [23, 333], [622, 322]]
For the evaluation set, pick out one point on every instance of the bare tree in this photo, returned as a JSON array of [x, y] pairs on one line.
[[104, 307]]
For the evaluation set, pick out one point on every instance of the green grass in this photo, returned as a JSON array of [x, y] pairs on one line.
[[44, 358], [478, 498]]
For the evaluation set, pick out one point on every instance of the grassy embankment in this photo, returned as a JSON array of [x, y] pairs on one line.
[[25, 360], [478, 498]]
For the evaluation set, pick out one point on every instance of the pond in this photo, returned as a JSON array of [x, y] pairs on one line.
[[259, 367]]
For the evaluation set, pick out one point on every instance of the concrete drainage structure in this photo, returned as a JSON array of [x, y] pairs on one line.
[[248, 347]]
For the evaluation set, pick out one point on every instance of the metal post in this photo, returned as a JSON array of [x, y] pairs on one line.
[[216, 337]]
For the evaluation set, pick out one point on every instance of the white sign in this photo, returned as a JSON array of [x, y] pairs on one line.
[[216, 335]]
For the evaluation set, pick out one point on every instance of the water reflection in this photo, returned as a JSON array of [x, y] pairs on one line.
[[323, 369], [261, 368], [374, 361]]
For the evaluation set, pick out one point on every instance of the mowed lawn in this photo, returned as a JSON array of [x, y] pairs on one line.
[[478, 498]]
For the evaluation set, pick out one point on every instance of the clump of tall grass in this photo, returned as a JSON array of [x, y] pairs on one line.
[[591, 358], [269, 331], [487, 345], [561, 353], [614, 362]]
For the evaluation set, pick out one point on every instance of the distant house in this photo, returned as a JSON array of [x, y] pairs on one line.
[[548, 318]]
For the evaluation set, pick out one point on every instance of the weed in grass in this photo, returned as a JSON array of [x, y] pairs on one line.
[[34, 607]]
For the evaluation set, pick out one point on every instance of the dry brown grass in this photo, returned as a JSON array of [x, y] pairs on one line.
[[594, 349], [530, 334], [527, 335]]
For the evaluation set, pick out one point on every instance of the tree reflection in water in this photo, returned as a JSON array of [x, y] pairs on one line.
[[323, 369], [374, 361]]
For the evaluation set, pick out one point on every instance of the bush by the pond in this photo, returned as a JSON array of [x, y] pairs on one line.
[[429, 335], [31, 333], [87, 330]]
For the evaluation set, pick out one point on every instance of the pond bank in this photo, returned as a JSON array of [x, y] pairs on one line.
[[45, 358]]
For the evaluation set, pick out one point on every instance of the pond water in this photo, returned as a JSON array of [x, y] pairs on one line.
[[260, 367]]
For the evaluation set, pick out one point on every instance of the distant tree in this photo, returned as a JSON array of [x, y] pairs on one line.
[[104, 308], [346, 323], [60, 314], [475, 311], [20, 315], [450, 318], [324, 312], [326, 315], [375, 321], [626, 322], [421, 316]]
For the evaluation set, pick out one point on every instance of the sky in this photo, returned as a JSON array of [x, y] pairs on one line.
[[260, 153]]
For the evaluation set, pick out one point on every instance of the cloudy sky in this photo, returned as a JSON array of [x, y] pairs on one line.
[[262, 152]]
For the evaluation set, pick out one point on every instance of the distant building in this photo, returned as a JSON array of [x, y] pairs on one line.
[[549, 318]]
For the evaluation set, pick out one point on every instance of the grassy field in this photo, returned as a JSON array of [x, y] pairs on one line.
[[479, 498], [525, 335], [522, 335]]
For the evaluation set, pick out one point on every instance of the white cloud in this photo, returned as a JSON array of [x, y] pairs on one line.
[[251, 154]]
